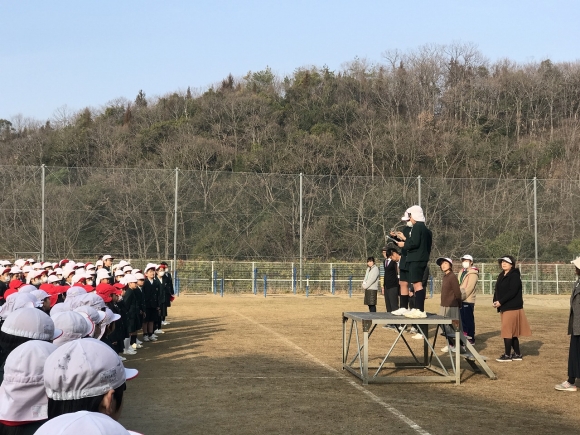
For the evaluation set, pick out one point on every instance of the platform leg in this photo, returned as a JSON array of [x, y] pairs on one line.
[[457, 356], [365, 358]]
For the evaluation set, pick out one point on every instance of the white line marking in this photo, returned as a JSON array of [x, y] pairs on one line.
[[359, 387]]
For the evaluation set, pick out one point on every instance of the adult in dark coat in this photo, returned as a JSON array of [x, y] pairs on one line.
[[509, 301], [574, 333]]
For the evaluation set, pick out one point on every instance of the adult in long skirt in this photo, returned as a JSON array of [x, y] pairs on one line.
[[574, 333], [509, 301], [371, 284]]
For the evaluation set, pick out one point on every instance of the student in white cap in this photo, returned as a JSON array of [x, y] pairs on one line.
[[132, 306], [83, 422], [108, 262], [94, 316], [418, 246], [5, 277], [85, 375], [24, 325], [468, 278], [23, 401]]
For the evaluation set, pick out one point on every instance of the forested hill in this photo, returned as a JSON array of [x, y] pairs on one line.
[[436, 111]]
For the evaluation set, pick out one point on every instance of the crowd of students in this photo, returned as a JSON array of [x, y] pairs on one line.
[[65, 329]]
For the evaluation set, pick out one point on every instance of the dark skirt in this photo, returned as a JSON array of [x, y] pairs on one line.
[[574, 357], [370, 297]]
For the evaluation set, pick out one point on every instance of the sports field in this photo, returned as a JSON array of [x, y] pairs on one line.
[[253, 365]]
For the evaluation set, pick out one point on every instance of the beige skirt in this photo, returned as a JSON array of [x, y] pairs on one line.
[[514, 324]]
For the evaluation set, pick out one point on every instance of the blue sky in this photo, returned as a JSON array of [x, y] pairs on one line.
[[79, 53]]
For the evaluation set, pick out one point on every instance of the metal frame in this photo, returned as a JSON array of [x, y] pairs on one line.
[[370, 321]]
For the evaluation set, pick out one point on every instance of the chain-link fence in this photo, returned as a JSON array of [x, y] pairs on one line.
[[223, 216], [343, 278]]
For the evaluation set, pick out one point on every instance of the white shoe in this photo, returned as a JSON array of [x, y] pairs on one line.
[[445, 349], [139, 341], [159, 331], [164, 323], [146, 338], [122, 358], [136, 346], [417, 336], [152, 338], [399, 312], [129, 352], [413, 330]]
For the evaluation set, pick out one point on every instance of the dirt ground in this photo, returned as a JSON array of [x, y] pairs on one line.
[[247, 364]]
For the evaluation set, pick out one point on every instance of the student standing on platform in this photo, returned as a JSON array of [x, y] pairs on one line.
[[371, 284], [467, 282], [418, 246], [509, 301], [391, 279], [574, 333]]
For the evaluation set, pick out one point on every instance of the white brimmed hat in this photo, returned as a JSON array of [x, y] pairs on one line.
[[75, 292], [53, 278], [92, 300], [467, 257], [102, 274], [28, 288], [84, 368], [95, 316], [22, 394], [139, 276], [576, 262], [83, 422], [416, 213], [130, 278], [74, 326], [108, 257], [31, 323], [506, 259], [442, 259], [150, 266], [40, 295], [17, 301]]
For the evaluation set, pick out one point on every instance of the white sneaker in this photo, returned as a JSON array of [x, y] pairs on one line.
[[122, 358], [399, 312], [129, 352], [413, 330], [417, 336], [139, 341], [159, 331], [136, 346], [146, 338], [152, 338], [445, 349], [164, 323]]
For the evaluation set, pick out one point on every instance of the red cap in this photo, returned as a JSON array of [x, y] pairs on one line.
[[9, 292], [105, 291], [15, 284], [88, 288]]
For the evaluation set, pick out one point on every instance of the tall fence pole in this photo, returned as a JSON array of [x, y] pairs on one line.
[[42, 229], [301, 177], [536, 233], [175, 222], [419, 190]]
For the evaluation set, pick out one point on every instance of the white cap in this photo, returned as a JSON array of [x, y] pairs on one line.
[[506, 259], [150, 266], [74, 326], [467, 257], [89, 266], [74, 292], [108, 257], [28, 288], [405, 217], [20, 262], [102, 274], [31, 323], [576, 262], [110, 317], [53, 278], [59, 308], [83, 422], [78, 277], [17, 301], [99, 263], [127, 269], [15, 269], [37, 266], [416, 213], [139, 276], [442, 259], [26, 269], [41, 295], [122, 263], [96, 316], [119, 272], [92, 300], [130, 278], [83, 368], [22, 394], [67, 270]]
